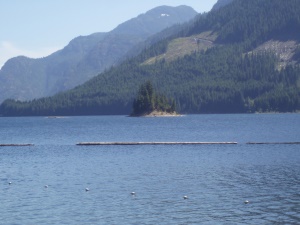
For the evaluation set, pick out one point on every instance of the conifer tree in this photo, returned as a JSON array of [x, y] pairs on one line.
[[147, 101]]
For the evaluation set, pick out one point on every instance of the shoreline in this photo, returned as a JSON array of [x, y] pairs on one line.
[[158, 114]]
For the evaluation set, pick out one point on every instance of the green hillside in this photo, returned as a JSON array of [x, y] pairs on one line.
[[235, 74], [84, 57]]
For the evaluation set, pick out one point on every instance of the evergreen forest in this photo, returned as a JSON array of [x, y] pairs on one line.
[[227, 78], [147, 101]]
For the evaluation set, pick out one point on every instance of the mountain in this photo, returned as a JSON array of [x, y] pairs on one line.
[[84, 57], [241, 58], [221, 3]]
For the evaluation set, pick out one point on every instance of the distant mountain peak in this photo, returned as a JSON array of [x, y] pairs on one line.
[[221, 3], [144, 21], [85, 56]]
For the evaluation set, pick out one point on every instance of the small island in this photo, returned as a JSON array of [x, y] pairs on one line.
[[148, 103]]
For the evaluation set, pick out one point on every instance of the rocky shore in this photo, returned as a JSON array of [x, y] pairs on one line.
[[156, 113]]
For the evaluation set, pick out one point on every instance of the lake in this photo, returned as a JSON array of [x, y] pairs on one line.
[[46, 183]]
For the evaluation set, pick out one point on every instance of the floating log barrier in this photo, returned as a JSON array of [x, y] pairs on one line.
[[273, 143], [15, 145], [156, 143]]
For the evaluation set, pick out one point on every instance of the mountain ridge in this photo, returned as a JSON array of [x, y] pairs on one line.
[[232, 77], [221, 3], [84, 57]]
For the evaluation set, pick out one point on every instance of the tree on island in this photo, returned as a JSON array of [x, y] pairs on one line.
[[147, 101]]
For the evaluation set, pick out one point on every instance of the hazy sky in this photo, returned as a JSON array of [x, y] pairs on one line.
[[36, 28]]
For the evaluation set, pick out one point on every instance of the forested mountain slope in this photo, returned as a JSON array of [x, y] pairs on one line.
[[235, 75], [22, 78], [221, 3]]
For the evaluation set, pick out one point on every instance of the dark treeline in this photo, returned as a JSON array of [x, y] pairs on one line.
[[220, 80], [223, 79], [148, 100]]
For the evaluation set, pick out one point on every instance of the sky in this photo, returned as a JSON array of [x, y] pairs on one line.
[[37, 28]]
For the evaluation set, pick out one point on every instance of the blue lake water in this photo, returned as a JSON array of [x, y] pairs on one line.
[[216, 178]]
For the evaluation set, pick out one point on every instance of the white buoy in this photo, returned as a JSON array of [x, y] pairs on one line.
[[87, 189], [185, 197], [246, 202]]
